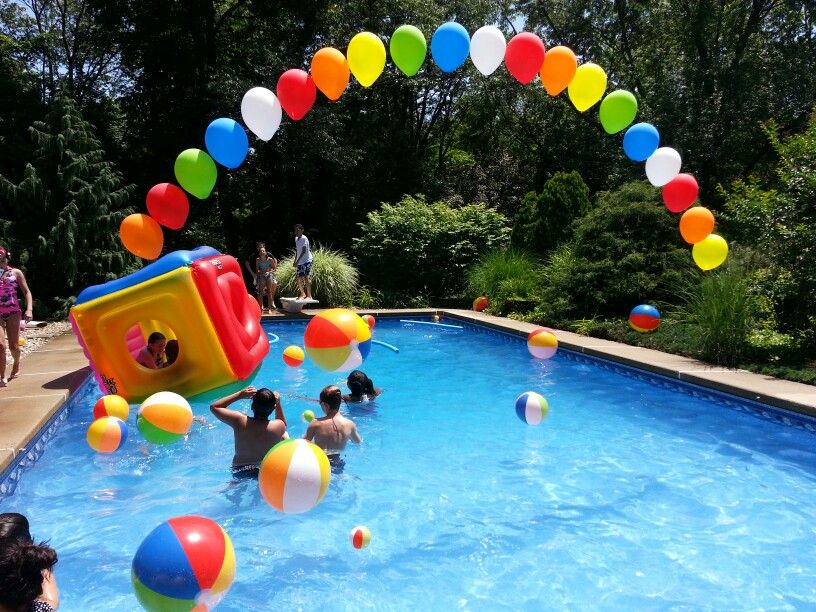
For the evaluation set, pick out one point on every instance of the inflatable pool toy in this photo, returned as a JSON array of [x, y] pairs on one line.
[[386, 345], [431, 323], [370, 320], [197, 297], [164, 417], [294, 476], [531, 408], [644, 318], [106, 434], [111, 405], [293, 356], [337, 340], [360, 536], [480, 303], [308, 416], [186, 563], [542, 343]]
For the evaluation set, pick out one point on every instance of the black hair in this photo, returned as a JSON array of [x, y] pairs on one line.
[[155, 337], [298, 226], [359, 383], [264, 403], [14, 526], [171, 351], [332, 396], [21, 572]]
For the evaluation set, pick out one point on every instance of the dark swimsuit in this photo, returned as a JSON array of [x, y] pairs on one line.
[[246, 471]]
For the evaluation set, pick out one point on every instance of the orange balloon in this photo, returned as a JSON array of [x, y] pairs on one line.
[[696, 224], [330, 72], [558, 69], [142, 236]]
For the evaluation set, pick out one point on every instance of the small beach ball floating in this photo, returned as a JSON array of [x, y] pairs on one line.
[[370, 321], [360, 536], [164, 417], [293, 356], [532, 408], [186, 563], [106, 434], [542, 343], [644, 318], [111, 405], [307, 416], [294, 476], [337, 340], [480, 303]]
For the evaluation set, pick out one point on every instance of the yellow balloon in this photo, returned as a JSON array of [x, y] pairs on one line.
[[710, 252], [366, 57], [587, 87]]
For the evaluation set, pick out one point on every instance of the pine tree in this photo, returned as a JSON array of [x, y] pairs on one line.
[[65, 213]]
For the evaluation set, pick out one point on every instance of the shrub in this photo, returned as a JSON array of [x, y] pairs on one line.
[[503, 276], [334, 277], [417, 249]]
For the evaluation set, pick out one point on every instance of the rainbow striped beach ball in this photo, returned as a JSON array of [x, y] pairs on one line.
[[532, 408], [542, 343], [164, 417], [294, 476], [360, 536], [644, 318], [185, 563], [106, 434], [111, 405], [337, 340]]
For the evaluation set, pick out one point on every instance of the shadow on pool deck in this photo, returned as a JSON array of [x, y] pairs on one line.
[[49, 376]]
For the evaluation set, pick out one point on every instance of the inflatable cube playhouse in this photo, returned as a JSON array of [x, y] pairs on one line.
[[197, 298]]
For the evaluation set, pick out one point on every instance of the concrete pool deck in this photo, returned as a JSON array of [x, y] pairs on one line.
[[50, 375]]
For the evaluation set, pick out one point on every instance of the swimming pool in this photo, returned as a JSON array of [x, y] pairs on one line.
[[636, 492]]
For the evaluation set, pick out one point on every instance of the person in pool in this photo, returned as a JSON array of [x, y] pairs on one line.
[[361, 387], [152, 356], [26, 580], [333, 431], [256, 434]]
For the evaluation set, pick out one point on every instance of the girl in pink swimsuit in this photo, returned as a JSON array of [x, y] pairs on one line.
[[10, 314]]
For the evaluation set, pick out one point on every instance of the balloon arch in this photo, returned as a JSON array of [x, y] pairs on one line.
[[524, 56]]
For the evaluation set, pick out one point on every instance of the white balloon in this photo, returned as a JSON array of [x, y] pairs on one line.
[[261, 112], [663, 165], [487, 49]]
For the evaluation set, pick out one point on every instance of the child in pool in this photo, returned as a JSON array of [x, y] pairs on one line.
[[361, 387]]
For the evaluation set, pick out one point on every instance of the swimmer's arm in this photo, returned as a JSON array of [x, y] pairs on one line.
[[310, 432], [224, 414], [355, 435], [147, 361], [279, 410]]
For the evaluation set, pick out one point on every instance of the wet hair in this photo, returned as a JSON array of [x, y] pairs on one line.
[[359, 383], [263, 403], [21, 572], [171, 351], [14, 526], [332, 396], [155, 337]]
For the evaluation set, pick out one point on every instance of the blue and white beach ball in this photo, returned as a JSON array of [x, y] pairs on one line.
[[531, 408]]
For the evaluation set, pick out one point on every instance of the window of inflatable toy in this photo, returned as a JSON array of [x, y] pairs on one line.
[[153, 341]]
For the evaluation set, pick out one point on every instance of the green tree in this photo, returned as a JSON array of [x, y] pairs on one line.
[[67, 209], [545, 219]]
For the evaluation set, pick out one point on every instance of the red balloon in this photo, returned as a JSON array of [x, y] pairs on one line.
[[296, 93], [168, 205], [524, 56], [680, 192]]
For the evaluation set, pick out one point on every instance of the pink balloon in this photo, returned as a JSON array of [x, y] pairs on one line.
[[297, 93], [680, 192], [168, 205], [524, 56]]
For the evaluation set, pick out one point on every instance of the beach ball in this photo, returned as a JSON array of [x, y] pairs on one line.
[[480, 303], [370, 321], [107, 434], [186, 563], [111, 405], [164, 417], [294, 476], [531, 408], [360, 536], [644, 318], [307, 416], [337, 340], [542, 343], [293, 356]]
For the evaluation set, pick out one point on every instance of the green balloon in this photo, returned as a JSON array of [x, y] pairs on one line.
[[196, 173], [408, 49], [618, 110]]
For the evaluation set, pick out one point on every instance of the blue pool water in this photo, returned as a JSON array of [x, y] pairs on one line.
[[633, 494]]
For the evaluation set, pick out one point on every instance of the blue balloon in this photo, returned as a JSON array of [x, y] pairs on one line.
[[226, 142], [640, 141], [450, 46]]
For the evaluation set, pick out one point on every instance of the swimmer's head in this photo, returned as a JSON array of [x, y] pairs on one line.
[[330, 399], [360, 384], [264, 402], [14, 526]]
